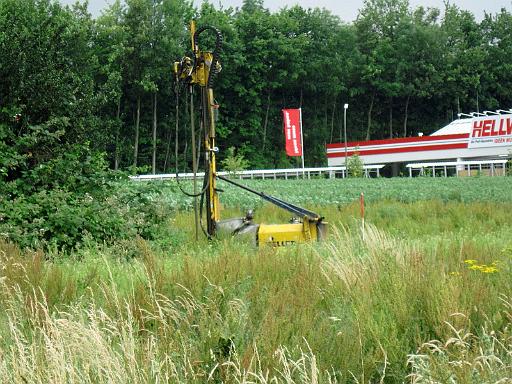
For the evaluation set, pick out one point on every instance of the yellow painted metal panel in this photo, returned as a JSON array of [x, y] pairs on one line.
[[287, 234]]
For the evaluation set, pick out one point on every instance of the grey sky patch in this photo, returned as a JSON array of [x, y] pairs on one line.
[[346, 10]]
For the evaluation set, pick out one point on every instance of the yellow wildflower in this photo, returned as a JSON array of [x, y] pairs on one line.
[[470, 261]]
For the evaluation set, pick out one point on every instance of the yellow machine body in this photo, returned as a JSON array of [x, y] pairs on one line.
[[286, 234]]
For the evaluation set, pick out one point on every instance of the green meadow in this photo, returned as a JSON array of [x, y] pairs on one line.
[[420, 294]]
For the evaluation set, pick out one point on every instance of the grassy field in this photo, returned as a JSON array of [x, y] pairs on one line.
[[422, 295]]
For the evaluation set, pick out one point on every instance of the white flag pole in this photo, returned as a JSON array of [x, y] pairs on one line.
[[301, 137]]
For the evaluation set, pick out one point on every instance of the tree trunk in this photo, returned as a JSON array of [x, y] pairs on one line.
[[185, 158], [391, 117], [153, 163], [477, 103], [406, 115], [326, 115], [137, 126], [118, 128], [332, 118], [168, 149], [169, 138], [368, 128], [301, 98], [395, 168], [265, 124]]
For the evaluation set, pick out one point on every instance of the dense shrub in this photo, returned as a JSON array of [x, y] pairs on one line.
[[73, 196]]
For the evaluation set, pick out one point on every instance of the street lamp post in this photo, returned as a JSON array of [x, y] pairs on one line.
[[345, 107]]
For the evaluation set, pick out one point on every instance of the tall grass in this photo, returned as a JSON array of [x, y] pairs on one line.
[[402, 302], [465, 357]]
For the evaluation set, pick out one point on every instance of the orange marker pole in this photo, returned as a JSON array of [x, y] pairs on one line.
[[361, 204]]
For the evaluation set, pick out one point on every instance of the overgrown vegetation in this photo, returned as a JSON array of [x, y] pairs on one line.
[[348, 310]]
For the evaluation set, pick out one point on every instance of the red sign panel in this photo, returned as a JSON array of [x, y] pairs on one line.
[[292, 132], [491, 131]]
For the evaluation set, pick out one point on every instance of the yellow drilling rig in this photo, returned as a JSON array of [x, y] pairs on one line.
[[200, 70]]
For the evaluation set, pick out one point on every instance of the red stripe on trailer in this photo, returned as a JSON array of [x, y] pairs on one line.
[[399, 140], [400, 150]]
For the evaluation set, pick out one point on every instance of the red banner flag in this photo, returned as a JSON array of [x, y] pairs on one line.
[[292, 131]]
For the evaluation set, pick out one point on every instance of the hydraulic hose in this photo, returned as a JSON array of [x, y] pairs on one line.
[[218, 47]]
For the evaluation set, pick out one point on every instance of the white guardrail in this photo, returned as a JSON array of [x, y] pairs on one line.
[[458, 168], [291, 173]]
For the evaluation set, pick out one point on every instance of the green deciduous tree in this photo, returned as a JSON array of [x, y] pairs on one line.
[[463, 61], [47, 99], [497, 74], [380, 26], [110, 42]]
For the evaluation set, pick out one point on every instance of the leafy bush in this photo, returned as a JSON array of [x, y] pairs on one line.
[[78, 170], [73, 196], [355, 166], [62, 219], [234, 163]]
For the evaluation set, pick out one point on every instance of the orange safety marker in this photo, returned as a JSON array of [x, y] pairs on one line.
[[361, 205]]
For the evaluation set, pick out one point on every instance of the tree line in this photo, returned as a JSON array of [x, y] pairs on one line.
[[70, 81]]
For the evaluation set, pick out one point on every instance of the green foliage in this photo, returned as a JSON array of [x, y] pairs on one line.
[[355, 166], [79, 170], [234, 163], [47, 66], [74, 196], [61, 219], [65, 218]]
